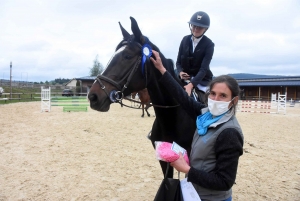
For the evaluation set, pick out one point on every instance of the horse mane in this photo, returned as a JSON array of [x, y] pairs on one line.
[[168, 64]]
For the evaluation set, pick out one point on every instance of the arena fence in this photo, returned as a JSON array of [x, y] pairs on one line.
[[69, 104], [275, 106], [292, 102]]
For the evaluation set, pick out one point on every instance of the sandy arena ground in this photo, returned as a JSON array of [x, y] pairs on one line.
[[106, 156]]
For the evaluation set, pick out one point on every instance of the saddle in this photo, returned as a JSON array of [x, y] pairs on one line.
[[196, 94]]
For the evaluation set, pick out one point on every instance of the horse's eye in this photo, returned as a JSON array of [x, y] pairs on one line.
[[128, 57]]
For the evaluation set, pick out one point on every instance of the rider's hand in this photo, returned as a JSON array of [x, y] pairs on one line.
[[157, 62], [188, 88], [184, 76]]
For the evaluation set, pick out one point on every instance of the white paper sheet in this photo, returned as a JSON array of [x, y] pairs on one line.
[[188, 191], [176, 148]]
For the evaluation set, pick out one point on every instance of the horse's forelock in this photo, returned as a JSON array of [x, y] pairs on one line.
[[121, 44]]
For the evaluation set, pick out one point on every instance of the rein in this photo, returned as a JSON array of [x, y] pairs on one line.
[[153, 105]]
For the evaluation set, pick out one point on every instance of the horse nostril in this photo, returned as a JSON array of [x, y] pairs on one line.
[[92, 97]]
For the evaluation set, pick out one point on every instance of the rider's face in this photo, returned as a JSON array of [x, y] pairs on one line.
[[197, 31]]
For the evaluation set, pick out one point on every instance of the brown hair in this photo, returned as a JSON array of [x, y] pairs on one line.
[[231, 83]]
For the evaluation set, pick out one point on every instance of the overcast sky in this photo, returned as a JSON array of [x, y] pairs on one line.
[[48, 39]]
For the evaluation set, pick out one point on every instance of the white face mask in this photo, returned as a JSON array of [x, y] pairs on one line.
[[217, 108]]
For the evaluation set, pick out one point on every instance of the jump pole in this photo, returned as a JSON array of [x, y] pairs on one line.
[[74, 103], [274, 106]]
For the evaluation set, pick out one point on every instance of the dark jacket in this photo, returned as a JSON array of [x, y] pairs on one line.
[[228, 146], [196, 64]]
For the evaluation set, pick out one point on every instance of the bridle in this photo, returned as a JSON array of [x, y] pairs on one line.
[[118, 96]]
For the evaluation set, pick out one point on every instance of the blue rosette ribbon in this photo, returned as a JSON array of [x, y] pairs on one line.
[[146, 53]]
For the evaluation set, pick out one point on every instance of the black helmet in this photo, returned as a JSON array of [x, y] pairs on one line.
[[200, 19]]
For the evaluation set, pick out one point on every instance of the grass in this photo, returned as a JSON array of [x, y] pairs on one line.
[[25, 94]]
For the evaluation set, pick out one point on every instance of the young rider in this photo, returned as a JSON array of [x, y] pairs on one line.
[[195, 54]]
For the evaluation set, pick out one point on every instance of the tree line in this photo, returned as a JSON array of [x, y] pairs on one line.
[[95, 70]]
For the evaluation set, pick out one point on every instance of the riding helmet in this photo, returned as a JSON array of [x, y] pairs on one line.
[[200, 19]]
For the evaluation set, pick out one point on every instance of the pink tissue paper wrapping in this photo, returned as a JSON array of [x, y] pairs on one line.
[[165, 153]]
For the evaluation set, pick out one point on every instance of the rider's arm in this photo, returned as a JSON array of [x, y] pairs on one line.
[[178, 62], [209, 51]]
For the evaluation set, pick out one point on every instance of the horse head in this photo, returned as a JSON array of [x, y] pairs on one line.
[[124, 73]]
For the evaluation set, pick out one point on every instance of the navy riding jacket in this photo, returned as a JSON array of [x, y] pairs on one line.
[[196, 63]]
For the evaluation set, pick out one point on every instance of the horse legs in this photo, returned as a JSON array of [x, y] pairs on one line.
[[142, 109], [146, 109]]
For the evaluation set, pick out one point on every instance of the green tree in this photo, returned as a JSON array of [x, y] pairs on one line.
[[61, 80], [97, 68]]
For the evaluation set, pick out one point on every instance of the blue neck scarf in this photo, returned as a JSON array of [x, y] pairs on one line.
[[204, 120]]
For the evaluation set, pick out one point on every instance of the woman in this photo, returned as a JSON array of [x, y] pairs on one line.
[[218, 139], [195, 53]]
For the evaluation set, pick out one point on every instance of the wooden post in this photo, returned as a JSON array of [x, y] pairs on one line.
[[10, 80]]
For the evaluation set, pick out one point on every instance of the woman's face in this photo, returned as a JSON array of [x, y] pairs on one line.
[[220, 92], [197, 31]]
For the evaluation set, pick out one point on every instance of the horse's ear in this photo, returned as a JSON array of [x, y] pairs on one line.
[[124, 32], [136, 31]]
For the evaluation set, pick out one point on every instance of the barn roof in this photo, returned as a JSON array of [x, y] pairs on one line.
[[86, 78], [268, 83], [243, 76], [248, 80]]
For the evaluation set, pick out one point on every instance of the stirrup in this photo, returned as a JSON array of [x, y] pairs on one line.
[[195, 95]]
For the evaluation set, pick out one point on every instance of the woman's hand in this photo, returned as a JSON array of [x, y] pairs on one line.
[[181, 165], [188, 88], [157, 62]]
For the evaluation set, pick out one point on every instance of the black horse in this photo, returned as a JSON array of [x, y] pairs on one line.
[[128, 72]]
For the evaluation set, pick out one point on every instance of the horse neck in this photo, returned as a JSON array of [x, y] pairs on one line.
[[158, 94]]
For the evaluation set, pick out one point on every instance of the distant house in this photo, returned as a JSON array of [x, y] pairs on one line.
[[71, 83], [85, 83], [254, 87]]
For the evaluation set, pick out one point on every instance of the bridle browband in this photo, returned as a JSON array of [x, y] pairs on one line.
[[118, 96]]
